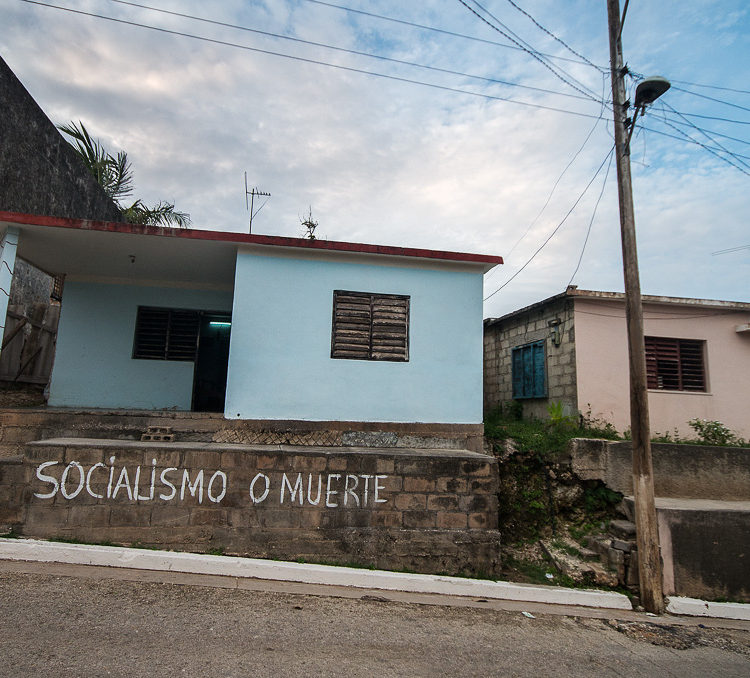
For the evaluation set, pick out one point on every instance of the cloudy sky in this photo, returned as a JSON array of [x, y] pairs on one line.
[[489, 155]]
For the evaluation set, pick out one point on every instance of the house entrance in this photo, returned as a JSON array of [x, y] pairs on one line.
[[210, 377]]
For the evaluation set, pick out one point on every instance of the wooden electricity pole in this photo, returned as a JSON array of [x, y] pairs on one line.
[[649, 556]]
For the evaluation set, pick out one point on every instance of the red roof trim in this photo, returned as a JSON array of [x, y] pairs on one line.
[[245, 238]]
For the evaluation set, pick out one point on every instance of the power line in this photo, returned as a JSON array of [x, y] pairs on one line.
[[726, 89], [705, 134], [552, 35], [687, 123], [713, 117], [441, 30], [731, 249], [343, 49], [591, 223], [554, 187], [316, 62], [686, 137], [557, 228], [714, 99], [526, 48]]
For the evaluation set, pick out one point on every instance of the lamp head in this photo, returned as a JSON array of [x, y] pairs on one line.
[[649, 90]]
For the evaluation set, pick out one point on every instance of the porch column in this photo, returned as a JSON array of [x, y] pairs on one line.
[[8, 247]]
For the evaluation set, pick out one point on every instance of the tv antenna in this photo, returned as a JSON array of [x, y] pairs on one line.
[[255, 191]]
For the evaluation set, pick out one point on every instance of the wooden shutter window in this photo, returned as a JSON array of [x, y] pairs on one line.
[[528, 371], [675, 364], [370, 326], [166, 334]]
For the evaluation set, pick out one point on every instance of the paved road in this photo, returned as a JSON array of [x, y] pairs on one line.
[[93, 625]]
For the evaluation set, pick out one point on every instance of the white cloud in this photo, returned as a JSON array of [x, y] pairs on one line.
[[396, 163]]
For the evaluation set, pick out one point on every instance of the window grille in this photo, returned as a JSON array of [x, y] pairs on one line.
[[675, 364], [166, 334]]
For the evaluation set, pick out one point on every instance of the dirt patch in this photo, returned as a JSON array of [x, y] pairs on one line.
[[683, 638], [21, 395]]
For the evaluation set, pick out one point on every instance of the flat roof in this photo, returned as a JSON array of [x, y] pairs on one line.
[[60, 245], [572, 292]]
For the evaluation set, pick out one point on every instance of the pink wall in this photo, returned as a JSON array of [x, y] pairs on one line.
[[602, 365]]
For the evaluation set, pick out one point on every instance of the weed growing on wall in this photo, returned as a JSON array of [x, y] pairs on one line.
[[537, 490]]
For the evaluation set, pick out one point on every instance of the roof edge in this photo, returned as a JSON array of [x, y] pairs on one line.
[[596, 295], [248, 238]]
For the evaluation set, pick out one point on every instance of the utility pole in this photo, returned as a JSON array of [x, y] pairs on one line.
[[647, 533], [252, 195]]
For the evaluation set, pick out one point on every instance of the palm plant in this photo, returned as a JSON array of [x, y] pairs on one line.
[[115, 175]]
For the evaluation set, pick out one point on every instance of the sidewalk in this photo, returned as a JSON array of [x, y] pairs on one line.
[[326, 575]]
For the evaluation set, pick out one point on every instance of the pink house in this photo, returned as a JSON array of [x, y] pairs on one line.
[[572, 349]]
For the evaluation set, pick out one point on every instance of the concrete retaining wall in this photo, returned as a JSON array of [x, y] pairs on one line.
[[425, 510], [690, 471], [20, 426]]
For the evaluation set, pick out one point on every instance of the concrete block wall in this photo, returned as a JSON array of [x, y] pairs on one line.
[[12, 486], [20, 426], [429, 511], [524, 327]]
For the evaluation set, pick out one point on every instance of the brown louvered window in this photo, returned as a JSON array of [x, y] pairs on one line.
[[675, 364], [370, 326], [166, 334]]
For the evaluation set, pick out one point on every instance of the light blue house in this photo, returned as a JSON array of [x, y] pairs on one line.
[[258, 327]]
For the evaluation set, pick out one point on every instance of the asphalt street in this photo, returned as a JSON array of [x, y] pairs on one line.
[[85, 622]]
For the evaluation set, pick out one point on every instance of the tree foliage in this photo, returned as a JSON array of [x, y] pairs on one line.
[[115, 175]]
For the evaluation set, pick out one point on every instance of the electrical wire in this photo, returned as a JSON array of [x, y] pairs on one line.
[[714, 99], [552, 35], [345, 50], [441, 30], [713, 117], [527, 48], [705, 134], [557, 228], [554, 187], [663, 317], [591, 223], [726, 89], [686, 137], [316, 62], [687, 123], [731, 249], [680, 138]]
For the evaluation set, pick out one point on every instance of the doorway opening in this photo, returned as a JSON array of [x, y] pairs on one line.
[[212, 358]]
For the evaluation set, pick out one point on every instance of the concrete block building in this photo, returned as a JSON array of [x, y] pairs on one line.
[[572, 349]]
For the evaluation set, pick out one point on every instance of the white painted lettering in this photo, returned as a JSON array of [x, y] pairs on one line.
[[136, 486], [309, 489], [123, 481], [46, 479], [88, 480], [255, 499], [379, 487], [111, 476], [366, 491], [197, 486], [64, 480], [349, 491], [217, 498], [298, 487], [166, 483], [153, 477], [329, 491]]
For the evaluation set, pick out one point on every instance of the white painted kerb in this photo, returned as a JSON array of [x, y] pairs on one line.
[[116, 556], [703, 608]]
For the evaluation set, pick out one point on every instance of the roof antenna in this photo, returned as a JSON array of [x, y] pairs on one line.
[[250, 206]]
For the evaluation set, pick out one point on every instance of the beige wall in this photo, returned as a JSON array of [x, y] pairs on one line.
[[602, 365]]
